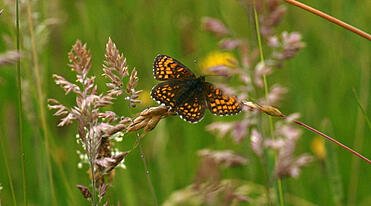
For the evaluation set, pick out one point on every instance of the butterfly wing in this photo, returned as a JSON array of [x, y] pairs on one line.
[[220, 104], [167, 92], [167, 68], [193, 108]]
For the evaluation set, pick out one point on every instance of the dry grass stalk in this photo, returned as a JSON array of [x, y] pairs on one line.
[[148, 119]]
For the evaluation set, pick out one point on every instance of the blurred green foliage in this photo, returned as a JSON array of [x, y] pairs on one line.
[[320, 81]]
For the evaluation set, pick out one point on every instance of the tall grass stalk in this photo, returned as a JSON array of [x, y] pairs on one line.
[[20, 108], [41, 100], [7, 169], [359, 133], [279, 183]]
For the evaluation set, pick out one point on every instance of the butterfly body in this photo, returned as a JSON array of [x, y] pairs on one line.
[[190, 86], [186, 94]]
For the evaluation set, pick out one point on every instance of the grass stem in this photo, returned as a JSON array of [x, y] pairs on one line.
[[279, 183], [331, 139], [361, 107], [359, 132], [146, 170], [20, 108], [330, 18]]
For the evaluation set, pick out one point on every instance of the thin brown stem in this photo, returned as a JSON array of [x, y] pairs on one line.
[[92, 170], [92, 152], [330, 138], [146, 170], [330, 18], [138, 144]]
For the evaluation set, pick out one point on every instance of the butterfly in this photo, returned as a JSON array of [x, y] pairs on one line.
[[186, 94]]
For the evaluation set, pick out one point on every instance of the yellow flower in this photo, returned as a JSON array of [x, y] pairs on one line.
[[318, 148], [218, 58]]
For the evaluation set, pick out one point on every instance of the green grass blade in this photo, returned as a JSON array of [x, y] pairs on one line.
[[20, 109], [361, 108], [8, 170]]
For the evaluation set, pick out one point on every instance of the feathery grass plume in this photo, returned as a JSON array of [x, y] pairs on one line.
[[115, 69], [97, 129], [215, 26]]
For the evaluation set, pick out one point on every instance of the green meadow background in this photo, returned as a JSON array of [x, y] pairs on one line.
[[320, 80]]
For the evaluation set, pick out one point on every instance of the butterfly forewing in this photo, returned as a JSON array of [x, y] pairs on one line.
[[193, 108], [219, 103], [167, 68]]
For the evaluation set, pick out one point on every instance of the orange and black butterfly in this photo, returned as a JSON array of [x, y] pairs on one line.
[[187, 94]]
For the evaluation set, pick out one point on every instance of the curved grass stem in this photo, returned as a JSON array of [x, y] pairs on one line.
[[330, 18], [330, 138]]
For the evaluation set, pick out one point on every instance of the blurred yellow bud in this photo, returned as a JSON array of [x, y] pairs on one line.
[[318, 148]]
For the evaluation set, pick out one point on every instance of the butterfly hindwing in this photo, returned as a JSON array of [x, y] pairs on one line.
[[193, 108], [167, 68], [167, 92], [221, 104]]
